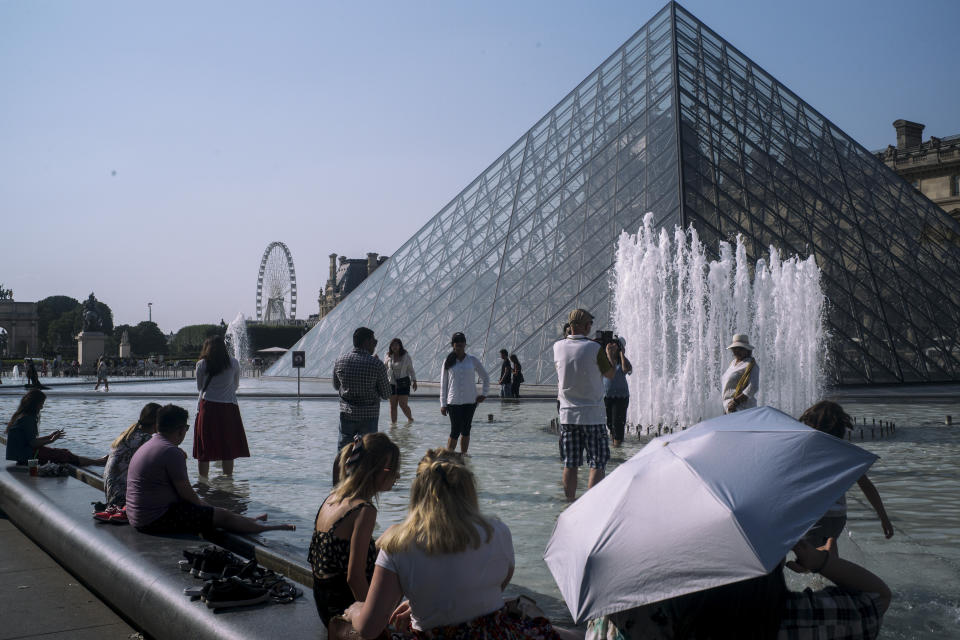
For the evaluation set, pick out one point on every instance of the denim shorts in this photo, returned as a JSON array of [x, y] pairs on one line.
[[350, 428], [575, 438]]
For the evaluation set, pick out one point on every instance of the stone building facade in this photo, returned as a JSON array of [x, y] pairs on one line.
[[346, 274], [20, 322], [933, 167]]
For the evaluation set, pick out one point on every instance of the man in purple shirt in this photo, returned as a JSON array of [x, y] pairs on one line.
[[159, 496]]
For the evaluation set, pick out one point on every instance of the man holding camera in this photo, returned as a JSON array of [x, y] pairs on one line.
[[582, 365]]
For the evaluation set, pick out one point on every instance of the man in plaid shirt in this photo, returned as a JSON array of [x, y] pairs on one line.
[[361, 380]]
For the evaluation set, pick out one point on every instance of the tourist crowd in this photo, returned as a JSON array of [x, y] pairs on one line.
[[441, 572]]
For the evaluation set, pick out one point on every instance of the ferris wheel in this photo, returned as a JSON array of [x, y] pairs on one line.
[[276, 286]]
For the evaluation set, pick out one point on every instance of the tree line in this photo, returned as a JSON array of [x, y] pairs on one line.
[[61, 319]]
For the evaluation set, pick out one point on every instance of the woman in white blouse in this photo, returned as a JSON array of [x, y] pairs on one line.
[[402, 378], [741, 381], [458, 391], [218, 429]]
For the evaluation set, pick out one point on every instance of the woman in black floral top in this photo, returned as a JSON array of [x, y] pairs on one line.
[[122, 450], [342, 552]]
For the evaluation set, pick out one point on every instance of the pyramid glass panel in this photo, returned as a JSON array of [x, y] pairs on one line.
[[743, 133], [679, 122]]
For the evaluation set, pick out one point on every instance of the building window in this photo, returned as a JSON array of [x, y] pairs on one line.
[[955, 185]]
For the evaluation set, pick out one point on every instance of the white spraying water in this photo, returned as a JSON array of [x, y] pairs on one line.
[[237, 339], [678, 311]]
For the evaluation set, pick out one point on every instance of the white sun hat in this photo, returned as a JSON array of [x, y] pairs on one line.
[[741, 340]]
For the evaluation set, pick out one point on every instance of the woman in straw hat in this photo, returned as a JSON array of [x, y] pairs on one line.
[[741, 381]]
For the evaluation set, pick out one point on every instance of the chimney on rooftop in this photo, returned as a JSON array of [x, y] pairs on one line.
[[333, 267], [909, 134], [371, 262]]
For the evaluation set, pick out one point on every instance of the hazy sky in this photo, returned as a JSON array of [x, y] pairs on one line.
[[150, 151]]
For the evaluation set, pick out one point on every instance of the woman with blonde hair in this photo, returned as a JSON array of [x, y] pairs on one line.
[[218, 428], [449, 560], [122, 450], [342, 552]]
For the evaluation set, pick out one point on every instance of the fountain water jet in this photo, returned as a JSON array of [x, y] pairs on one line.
[[677, 310], [237, 340]]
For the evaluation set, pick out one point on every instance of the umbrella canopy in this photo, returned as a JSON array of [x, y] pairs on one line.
[[269, 350], [722, 501]]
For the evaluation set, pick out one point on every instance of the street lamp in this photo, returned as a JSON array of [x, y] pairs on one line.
[[150, 311]]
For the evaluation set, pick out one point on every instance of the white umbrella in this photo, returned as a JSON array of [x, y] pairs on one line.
[[722, 501]]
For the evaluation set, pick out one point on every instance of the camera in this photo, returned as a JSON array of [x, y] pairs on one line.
[[606, 337]]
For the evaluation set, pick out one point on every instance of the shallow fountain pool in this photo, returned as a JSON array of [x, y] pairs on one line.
[[516, 461]]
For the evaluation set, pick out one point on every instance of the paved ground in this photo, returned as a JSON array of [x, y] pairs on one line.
[[40, 599]]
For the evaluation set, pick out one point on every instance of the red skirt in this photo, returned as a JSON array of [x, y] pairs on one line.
[[218, 432]]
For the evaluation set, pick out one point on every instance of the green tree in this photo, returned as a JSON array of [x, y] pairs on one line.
[[262, 336], [147, 339], [61, 333], [189, 340], [5, 294], [58, 310]]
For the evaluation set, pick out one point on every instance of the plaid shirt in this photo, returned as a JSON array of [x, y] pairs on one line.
[[830, 613], [361, 379], [827, 614]]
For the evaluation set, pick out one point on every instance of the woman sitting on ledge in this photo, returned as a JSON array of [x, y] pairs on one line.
[[121, 452], [24, 441], [159, 496], [450, 560]]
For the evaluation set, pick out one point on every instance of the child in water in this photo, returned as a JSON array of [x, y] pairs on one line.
[[830, 417]]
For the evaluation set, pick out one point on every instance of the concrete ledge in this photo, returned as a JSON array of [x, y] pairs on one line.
[[137, 573]]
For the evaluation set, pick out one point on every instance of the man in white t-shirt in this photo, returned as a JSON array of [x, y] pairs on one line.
[[581, 367]]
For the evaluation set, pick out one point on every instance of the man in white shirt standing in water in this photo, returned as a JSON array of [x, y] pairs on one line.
[[581, 367]]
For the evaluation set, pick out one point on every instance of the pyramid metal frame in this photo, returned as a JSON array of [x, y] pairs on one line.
[[679, 122]]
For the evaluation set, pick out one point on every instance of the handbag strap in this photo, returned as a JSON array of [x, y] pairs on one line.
[[744, 379]]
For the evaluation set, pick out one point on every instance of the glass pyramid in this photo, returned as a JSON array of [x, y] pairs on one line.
[[678, 122]]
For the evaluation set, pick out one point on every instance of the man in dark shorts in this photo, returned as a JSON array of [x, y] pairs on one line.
[[160, 498]]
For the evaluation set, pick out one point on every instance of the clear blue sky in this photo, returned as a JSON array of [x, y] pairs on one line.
[[344, 126]]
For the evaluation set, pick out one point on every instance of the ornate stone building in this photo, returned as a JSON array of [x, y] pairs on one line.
[[932, 167], [345, 275], [20, 322]]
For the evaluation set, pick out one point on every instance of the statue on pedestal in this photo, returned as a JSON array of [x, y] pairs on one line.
[[91, 318]]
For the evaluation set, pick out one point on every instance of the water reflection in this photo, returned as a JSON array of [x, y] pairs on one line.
[[518, 469]]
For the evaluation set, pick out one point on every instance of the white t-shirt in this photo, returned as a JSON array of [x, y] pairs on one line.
[[457, 587], [579, 380], [223, 386], [458, 384]]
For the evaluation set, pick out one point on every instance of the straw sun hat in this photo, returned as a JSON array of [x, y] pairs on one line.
[[741, 340]]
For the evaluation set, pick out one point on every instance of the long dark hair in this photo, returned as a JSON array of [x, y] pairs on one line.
[[398, 342], [515, 360], [828, 417], [30, 405], [215, 353], [452, 356]]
